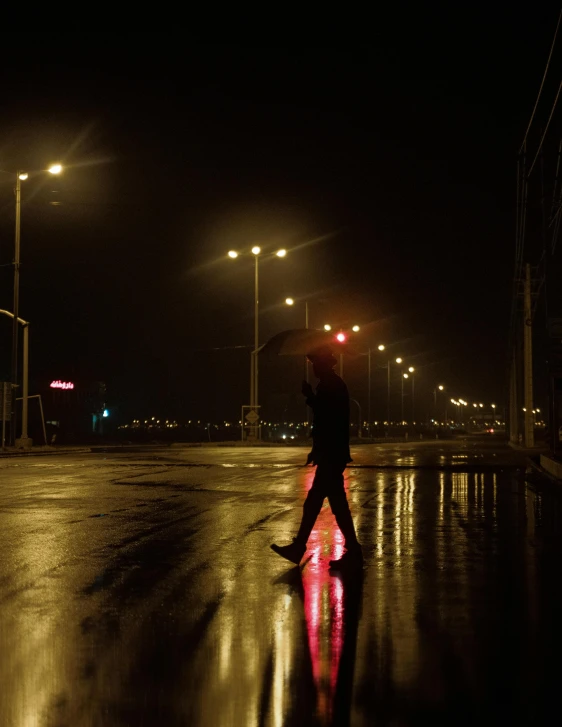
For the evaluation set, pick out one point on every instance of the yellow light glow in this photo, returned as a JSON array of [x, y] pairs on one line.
[[355, 329], [256, 250], [289, 301], [381, 347], [406, 376], [411, 369], [494, 406], [399, 360], [23, 176], [55, 169], [232, 254], [327, 327], [281, 253]]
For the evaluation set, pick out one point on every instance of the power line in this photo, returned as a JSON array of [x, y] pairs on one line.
[[546, 128], [542, 82]]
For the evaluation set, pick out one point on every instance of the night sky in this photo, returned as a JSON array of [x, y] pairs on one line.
[[387, 172]]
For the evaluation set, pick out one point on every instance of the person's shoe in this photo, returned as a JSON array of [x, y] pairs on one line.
[[352, 558], [293, 552]]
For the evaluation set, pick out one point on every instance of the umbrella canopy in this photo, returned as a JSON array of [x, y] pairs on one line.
[[299, 341]]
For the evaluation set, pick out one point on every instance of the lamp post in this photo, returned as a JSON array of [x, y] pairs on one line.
[[398, 361], [256, 251], [404, 376], [21, 176], [291, 301], [411, 370], [380, 347], [24, 440]]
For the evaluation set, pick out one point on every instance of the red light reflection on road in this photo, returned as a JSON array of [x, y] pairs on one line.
[[323, 606]]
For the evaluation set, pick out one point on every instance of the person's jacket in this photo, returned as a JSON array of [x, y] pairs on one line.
[[330, 428]]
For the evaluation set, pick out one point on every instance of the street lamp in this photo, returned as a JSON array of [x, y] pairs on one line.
[[21, 176], [411, 370], [404, 376], [256, 251], [380, 348], [327, 327]]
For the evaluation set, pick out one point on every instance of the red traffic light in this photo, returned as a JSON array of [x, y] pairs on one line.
[[341, 337]]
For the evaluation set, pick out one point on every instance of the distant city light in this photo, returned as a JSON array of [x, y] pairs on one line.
[[58, 384]]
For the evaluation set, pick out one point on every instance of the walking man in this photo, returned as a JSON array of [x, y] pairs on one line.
[[330, 453]]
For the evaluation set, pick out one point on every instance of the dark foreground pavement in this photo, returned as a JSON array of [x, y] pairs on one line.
[[139, 589]]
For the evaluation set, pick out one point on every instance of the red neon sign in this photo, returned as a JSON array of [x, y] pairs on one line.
[[58, 384]]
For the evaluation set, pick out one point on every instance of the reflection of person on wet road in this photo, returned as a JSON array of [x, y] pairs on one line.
[[330, 453]]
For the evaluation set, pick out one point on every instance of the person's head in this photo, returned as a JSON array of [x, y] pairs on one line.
[[322, 360]]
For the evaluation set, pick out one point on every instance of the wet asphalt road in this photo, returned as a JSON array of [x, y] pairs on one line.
[[138, 589]]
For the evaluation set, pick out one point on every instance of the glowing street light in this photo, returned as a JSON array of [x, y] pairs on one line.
[[355, 329], [21, 176], [341, 337], [441, 387], [289, 301], [399, 360], [327, 327], [256, 250], [406, 376], [411, 369], [380, 347]]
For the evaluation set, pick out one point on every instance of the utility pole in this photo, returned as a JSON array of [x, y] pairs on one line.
[[528, 359], [15, 307], [369, 392]]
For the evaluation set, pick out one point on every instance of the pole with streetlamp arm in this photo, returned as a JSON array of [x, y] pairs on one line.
[[20, 177], [254, 398], [24, 440]]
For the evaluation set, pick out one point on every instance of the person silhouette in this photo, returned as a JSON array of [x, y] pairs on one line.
[[330, 453]]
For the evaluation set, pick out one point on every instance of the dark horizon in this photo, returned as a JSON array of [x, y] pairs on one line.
[[387, 172]]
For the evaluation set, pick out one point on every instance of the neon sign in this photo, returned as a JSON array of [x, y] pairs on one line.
[[61, 384]]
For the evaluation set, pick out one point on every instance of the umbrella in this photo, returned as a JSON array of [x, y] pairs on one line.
[[299, 341]]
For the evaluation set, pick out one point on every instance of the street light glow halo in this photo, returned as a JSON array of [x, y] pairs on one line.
[[23, 176], [327, 327], [399, 360], [55, 168], [281, 253], [355, 329], [381, 347], [289, 301], [256, 250], [411, 369], [232, 254]]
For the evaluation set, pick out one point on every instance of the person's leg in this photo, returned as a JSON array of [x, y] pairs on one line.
[[312, 505], [340, 507]]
